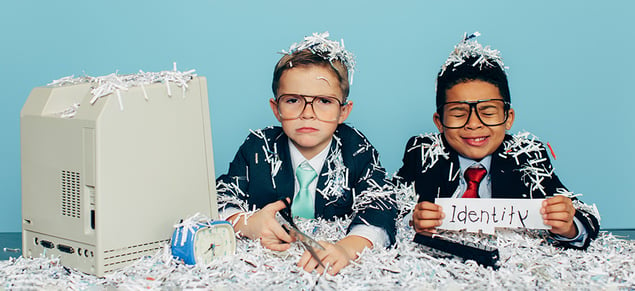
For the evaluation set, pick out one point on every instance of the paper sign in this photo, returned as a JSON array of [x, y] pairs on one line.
[[487, 214]]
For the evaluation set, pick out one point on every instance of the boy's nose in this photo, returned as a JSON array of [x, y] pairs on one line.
[[473, 121], [308, 112]]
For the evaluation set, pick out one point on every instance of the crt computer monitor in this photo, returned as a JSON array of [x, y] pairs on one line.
[[104, 180]]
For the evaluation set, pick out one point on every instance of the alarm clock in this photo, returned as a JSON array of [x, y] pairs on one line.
[[201, 242]]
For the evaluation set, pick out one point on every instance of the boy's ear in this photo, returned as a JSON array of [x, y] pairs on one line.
[[345, 111], [437, 121], [274, 108], [510, 119]]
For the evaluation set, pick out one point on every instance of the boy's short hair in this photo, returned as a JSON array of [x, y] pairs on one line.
[[318, 49], [470, 61], [306, 58]]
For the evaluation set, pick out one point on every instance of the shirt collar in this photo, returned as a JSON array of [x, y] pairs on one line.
[[316, 162], [465, 163]]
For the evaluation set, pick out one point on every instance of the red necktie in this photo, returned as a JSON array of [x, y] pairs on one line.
[[473, 176]]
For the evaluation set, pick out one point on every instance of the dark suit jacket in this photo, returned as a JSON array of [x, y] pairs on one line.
[[262, 173], [520, 168]]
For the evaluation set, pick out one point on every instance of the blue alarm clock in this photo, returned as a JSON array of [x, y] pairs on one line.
[[201, 242]]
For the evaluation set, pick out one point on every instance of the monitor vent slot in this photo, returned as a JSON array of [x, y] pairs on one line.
[[70, 194], [114, 258]]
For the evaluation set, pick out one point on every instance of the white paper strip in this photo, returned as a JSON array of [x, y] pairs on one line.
[[487, 214]]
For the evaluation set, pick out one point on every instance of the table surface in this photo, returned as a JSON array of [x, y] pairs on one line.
[[11, 242], [10, 245]]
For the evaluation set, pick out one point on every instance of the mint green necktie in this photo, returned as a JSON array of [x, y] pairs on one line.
[[303, 204]]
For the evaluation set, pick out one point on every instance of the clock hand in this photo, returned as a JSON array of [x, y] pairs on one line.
[[212, 248]]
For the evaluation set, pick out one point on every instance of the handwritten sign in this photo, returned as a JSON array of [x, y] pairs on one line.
[[487, 214]]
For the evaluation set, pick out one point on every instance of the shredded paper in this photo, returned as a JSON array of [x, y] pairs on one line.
[[331, 50], [468, 47], [527, 262], [115, 83]]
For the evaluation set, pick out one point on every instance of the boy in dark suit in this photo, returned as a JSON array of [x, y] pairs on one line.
[[473, 157], [325, 168]]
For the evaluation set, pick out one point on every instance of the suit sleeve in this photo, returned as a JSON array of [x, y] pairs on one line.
[[411, 164], [584, 213], [374, 195], [232, 188]]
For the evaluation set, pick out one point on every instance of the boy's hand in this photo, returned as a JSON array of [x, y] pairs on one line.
[[426, 217], [558, 212], [336, 256], [264, 226]]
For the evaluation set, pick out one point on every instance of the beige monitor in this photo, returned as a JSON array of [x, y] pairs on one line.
[[104, 180]]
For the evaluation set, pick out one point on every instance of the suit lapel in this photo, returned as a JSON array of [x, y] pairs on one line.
[[285, 178], [320, 202], [502, 176], [497, 171], [451, 177]]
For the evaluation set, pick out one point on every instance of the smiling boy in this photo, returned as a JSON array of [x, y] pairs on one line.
[[472, 156], [326, 168]]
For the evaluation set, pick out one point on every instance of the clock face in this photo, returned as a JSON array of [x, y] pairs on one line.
[[213, 241]]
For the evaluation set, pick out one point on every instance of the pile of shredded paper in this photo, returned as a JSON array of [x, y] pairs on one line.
[[527, 262]]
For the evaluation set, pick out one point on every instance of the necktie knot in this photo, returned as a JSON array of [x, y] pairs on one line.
[[473, 176], [305, 174], [303, 203]]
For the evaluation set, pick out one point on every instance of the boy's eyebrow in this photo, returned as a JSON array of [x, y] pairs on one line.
[[457, 106]]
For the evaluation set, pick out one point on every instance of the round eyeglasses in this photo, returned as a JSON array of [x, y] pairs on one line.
[[491, 112], [325, 108]]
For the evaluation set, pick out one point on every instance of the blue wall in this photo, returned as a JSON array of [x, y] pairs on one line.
[[571, 70]]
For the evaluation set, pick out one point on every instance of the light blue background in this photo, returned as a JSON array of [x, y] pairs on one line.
[[571, 71]]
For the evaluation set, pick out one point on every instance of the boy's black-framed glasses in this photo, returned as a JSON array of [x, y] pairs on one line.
[[325, 108], [491, 112]]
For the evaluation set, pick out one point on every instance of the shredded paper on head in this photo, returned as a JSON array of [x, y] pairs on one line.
[[330, 50], [467, 48]]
